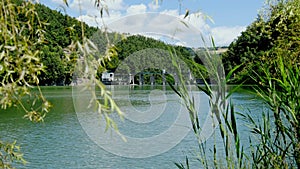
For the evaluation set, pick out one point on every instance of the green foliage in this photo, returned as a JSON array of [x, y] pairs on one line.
[[269, 52], [55, 74], [274, 30], [147, 51], [20, 66], [59, 32], [53, 32], [10, 152], [61, 29], [267, 55], [222, 114], [19, 62], [280, 89], [87, 69], [31, 54]]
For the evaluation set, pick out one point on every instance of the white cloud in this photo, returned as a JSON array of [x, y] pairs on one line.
[[136, 9], [115, 4], [88, 6], [85, 7], [159, 25], [134, 19], [195, 19], [153, 6], [223, 36], [96, 21], [173, 12], [92, 15], [198, 21], [90, 20], [57, 2], [181, 43]]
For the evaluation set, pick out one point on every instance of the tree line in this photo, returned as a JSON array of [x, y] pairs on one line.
[[272, 36]]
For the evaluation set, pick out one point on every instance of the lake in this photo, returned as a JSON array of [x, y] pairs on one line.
[[67, 137]]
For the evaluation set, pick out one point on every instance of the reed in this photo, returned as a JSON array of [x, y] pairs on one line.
[[274, 140], [279, 139], [222, 114]]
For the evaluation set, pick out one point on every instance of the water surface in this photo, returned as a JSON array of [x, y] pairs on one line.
[[60, 142]]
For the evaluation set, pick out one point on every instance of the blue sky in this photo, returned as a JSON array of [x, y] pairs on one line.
[[230, 17]]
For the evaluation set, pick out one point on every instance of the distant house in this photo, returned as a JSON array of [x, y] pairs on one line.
[[107, 77]]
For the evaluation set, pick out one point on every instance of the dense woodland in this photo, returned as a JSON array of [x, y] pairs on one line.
[[59, 30]]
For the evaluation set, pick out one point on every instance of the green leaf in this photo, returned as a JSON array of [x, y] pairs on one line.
[[228, 76], [173, 88]]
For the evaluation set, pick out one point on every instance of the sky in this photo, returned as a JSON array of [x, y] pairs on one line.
[[223, 20]]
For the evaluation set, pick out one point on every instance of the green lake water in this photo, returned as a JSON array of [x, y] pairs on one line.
[[62, 142]]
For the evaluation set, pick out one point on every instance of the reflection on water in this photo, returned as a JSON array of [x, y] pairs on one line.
[[60, 142]]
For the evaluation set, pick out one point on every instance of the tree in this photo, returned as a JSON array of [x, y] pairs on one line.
[[148, 51], [22, 48], [19, 65], [278, 25], [269, 52], [59, 31]]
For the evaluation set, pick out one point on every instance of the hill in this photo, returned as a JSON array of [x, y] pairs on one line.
[[149, 55], [60, 30]]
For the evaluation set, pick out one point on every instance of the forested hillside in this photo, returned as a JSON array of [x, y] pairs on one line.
[[60, 30], [135, 43], [157, 53]]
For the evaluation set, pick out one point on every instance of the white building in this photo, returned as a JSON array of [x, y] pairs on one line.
[[107, 77]]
